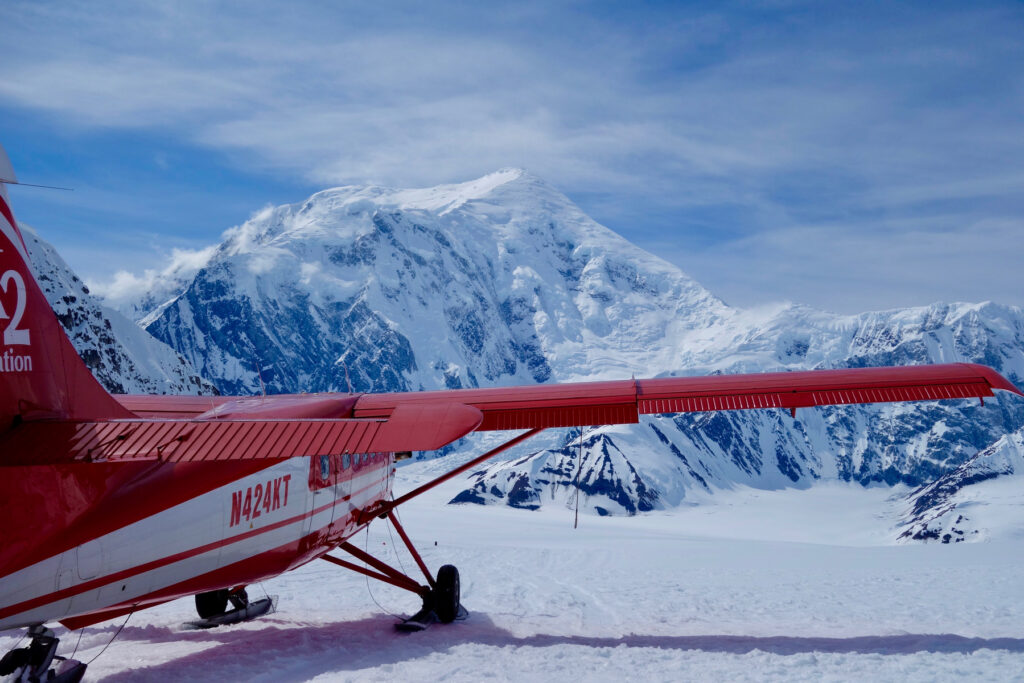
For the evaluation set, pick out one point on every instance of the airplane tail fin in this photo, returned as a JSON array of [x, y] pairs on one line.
[[41, 374]]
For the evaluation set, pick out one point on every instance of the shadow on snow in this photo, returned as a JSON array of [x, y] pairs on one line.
[[283, 648]]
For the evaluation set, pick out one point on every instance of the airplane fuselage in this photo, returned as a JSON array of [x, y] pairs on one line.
[[92, 541]]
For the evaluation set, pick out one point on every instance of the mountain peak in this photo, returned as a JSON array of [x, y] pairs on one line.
[[439, 199], [444, 198]]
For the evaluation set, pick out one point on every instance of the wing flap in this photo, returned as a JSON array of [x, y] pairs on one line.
[[818, 388], [546, 417], [808, 399], [425, 427], [528, 407]]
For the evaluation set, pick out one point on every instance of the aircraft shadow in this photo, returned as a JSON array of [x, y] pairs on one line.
[[286, 650]]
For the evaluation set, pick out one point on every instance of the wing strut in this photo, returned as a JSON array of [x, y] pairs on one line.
[[412, 549], [384, 507], [384, 572]]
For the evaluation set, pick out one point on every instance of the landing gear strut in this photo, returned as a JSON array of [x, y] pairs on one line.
[[32, 663], [440, 596]]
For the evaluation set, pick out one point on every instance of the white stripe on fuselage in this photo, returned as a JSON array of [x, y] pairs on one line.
[[184, 529]]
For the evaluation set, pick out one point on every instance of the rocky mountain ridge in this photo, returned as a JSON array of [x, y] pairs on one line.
[[124, 358], [946, 510]]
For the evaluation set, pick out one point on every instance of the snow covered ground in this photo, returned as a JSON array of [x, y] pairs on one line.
[[749, 585]]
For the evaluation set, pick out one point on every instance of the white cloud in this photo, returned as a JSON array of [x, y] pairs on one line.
[[126, 288], [853, 267], [737, 122]]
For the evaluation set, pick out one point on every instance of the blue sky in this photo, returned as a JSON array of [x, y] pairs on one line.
[[852, 156]]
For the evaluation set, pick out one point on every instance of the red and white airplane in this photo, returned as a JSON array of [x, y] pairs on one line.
[[111, 504]]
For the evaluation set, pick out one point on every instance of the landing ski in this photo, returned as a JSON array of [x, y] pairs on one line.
[[423, 619], [256, 608]]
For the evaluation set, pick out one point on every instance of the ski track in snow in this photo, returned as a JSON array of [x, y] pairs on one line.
[[785, 585]]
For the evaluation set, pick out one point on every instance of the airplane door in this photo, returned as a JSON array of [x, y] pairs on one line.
[[324, 471], [342, 488], [89, 559], [321, 490]]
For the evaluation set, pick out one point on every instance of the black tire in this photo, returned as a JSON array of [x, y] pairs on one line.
[[212, 604], [446, 594]]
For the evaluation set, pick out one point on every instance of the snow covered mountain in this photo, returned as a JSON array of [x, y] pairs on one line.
[[625, 470], [123, 357], [497, 281], [970, 502], [503, 280]]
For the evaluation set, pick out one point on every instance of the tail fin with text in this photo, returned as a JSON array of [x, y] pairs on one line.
[[41, 374]]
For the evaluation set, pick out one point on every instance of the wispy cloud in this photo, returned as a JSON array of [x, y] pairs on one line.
[[856, 267], [124, 286], [719, 130]]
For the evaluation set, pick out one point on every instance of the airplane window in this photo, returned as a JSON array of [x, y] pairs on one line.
[[325, 467], [344, 462]]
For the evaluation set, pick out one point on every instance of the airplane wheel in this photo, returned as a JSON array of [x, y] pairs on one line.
[[212, 604], [446, 594]]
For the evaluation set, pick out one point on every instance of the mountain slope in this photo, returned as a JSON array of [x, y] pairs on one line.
[[124, 358], [981, 496]]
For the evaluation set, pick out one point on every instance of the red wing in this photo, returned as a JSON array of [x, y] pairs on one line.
[[320, 424], [622, 402]]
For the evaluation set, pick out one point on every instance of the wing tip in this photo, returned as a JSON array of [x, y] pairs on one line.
[[994, 379]]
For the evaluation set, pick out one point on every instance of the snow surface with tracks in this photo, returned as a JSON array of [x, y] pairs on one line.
[[748, 585]]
